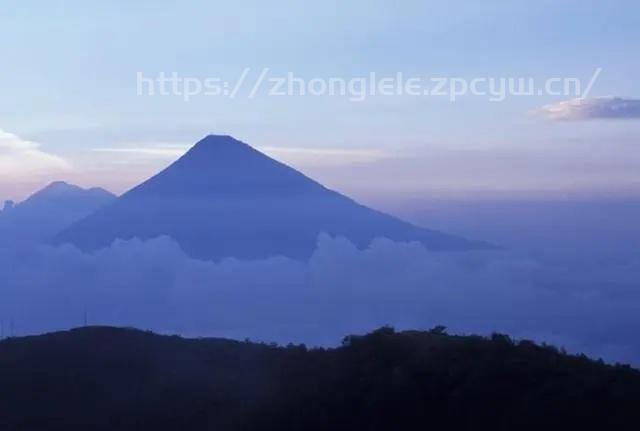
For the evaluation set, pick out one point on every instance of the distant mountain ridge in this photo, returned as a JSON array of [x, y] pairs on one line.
[[223, 198], [49, 210]]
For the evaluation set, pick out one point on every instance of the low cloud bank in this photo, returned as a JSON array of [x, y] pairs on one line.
[[592, 108], [341, 290]]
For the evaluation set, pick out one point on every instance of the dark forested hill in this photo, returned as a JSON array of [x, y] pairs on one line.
[[122, 379]]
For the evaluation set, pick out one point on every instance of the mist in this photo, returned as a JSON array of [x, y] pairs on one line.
[[340, 290]]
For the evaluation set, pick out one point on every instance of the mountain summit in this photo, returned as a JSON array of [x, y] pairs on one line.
[[61, 190], [223, 198], [43, 214]]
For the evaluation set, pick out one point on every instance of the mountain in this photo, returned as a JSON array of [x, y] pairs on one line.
[[46, 212], [224, 198], [101, 378]]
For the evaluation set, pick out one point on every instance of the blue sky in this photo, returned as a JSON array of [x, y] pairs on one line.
[[69, 108]]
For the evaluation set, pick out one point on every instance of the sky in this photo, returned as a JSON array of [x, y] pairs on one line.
[[83, 101], [71, 110]]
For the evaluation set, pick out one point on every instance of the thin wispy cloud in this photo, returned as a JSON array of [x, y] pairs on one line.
[[161, 151], [591, 109], [298, 156]]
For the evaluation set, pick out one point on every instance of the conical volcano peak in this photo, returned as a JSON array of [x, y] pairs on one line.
[[224, 198], [219, 150], [212, 143], [213, 139], [223, 165]]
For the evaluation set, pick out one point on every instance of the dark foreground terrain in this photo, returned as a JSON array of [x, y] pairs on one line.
[[102, 378]]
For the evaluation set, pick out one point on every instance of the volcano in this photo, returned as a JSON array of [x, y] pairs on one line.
[[223, 198], [43, 214]]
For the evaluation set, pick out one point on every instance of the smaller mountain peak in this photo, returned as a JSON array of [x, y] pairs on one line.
[[59, 187], [60, 184], [63, 187], [57, 190]]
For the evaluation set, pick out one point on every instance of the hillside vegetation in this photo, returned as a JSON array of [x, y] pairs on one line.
[[101, 378]]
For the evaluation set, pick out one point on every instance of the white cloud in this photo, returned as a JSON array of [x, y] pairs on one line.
[[161, 151], [21, 159], [592, 108], [340, 290], [296, 156]]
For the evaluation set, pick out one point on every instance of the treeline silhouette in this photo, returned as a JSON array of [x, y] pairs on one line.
[[101, 378]]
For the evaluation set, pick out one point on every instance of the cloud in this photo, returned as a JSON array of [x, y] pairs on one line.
[[324, 156], [20, 158], [297, 156], [340, 290], [162, 151], [592, 108]]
